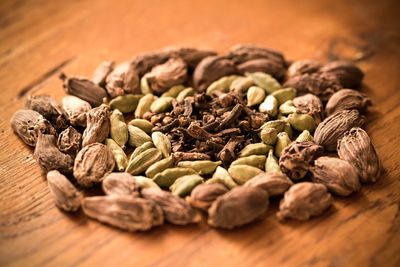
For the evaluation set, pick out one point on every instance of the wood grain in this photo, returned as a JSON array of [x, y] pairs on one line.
[[39, 38]]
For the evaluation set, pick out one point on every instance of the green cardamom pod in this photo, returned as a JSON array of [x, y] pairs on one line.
[[144, 85], [141, 149], [269, 135], [269, 106], [119, 155], [185, 93], [162, 142], [279, 125], [144, 105], [241, 84], [288, 129], [257, 161], [255, 95], [285, 94], [142, 161], [243, 173], [265, 81], [200, 166], [159, 166], [185, 184], [143, 124], [305, 136], [161, 104], [167, 177], [255, 149], [302, 122], [221, 85], [144, 182], [287, 108], [174, 91], [222, 176], [282, 141], [118, 128], [125, 103], [137, 136], [272, 164], [282, 117]]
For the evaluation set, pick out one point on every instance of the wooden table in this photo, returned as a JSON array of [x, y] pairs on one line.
[[40, 38]]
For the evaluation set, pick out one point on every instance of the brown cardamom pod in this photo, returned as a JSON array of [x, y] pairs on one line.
[[92, 164], [297, 158], [69, 141], [348, 75], [98, 125], [271, 67], [191, 56], [319, 84], [64, 193], [49, 157], [101, 72], [356, 148], [302, 67], [240, 206], [84, 89], [176, 210], [347, 99], [242, 53], [76, 109], [120, 184], [203, 195], [124, 79], [339, 176], [311, 105], [27, 124], [273, 182], [304, 200], [144, 62], [124, 212], [333, 128], [162, 77], [211, 69], [50, 109]]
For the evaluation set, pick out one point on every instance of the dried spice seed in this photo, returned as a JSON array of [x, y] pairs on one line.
[[124, 79], [202, 196], [273, 183], [240, 206], [64, 193], [92, 164], [137, 136], [124, 212], [162, 143], [50, 109], [257, 161], [69, 141], [356, 148], [125, 103], [297, 158], [347, 99], [163, 76], [27, 124], [176, 210], [348, 75], [49, 157], [101, 72], [185, 184], [222, 176], [120, 184], [339, 176], [159, 166], [144, 105], [200, 166], [167, 177], [84, 89], [98, 125], [304, 200], [138, 150], [120, 157], [243, 173], [302, 67], [333, 128], [311, 105], [141, 162], [76, 109], [118, 128]]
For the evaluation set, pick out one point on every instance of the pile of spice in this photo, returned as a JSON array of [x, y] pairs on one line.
[[181, 133]]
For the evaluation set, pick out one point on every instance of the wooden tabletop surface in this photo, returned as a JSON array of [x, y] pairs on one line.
[[40, 38]]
